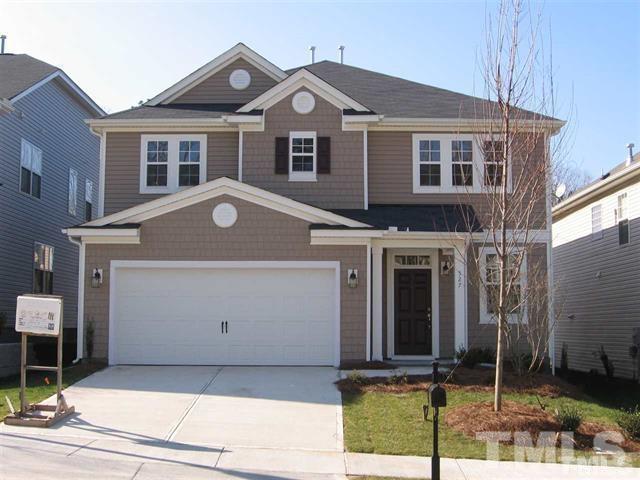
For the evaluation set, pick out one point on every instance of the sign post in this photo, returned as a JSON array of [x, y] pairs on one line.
[[39, 315]]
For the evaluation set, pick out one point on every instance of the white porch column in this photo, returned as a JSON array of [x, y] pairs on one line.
[[376, 303], [460, 298]]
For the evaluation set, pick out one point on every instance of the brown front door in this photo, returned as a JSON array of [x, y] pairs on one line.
[[413, 312]]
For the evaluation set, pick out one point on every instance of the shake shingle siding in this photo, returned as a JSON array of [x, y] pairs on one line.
[[54, 122], [598, 285]]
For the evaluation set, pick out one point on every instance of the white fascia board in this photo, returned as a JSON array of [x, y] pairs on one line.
[[70, 83], [596, 189], [479, 125], [159, 122], [215, 65], [224, 186], [302, 78], [101, 232], [362, 118], [533, 235], [234, 119]]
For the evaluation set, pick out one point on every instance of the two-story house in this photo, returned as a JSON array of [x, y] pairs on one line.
[[256, 216], [49, 171], [596, 263]]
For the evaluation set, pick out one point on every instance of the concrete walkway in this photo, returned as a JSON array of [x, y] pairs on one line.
[[30, 456]]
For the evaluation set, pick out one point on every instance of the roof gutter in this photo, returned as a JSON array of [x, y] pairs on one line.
[[468, 123], [6, 106], [588, 193]]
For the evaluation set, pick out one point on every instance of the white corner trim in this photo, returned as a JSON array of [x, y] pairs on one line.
[[365, 155], [80, 314], [117, 265], [102, 173], [240, 143], [302, 78], [238, 51], [224, 186], [70, 83]]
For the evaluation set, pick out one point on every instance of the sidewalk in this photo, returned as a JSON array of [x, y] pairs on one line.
[[35, 457]]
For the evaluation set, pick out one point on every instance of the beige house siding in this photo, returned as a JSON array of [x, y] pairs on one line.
[[342, 188], [259, 234], [597, 284], [122, 166], [485, 335], [216, 88], [390, 167]]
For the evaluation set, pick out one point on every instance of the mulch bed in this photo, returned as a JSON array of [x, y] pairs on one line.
[[468, 379], [472, 418]]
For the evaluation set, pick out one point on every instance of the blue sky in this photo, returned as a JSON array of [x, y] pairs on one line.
[[123, 52]]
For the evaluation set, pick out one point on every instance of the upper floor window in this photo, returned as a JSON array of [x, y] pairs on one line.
[[429, 158], [30, 169], [462, 159], [42, 269], [169, 163], [88, 200], [493, 152], [302, 156], [73, 192], [596, 221], [622, 218]]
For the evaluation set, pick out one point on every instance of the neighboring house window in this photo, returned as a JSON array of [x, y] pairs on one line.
[[73, 192], [462, 160], [42, 269], [493, 157], [169, 163], [88, 200], [302, 156], [490, 268], [30, 169], [622, 219], [596, 221]]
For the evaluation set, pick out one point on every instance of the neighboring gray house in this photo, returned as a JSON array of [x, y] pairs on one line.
[[596, 254], [49, 170]]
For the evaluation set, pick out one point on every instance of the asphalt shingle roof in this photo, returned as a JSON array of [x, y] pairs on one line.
[[18, 72], [415, 218], [211, 110]]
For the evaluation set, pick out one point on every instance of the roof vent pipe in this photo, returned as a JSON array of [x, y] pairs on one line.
[[2, 39], [312, 51], [341, 53], [630, 159]]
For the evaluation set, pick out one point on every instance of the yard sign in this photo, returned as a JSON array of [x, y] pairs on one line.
[[38, 315]]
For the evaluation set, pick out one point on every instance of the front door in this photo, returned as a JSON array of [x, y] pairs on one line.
[[413, 312]]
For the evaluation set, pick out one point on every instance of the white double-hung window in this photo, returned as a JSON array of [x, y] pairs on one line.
[[302, 156], [446, 163], [30, 169], [169, 163], [516, 268]]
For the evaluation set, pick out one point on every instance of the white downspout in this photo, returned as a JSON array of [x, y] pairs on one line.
[[80, 314]]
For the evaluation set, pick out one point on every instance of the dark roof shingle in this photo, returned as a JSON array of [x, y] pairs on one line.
[[175, 111], [18, 72]]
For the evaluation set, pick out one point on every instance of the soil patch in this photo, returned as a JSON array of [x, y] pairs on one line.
[[472, 418]]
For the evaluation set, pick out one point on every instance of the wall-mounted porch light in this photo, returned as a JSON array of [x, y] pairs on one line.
[[445, 267], [352, 277], [96, 278]]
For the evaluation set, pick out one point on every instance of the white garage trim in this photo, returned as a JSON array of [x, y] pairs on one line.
[[272, 265]]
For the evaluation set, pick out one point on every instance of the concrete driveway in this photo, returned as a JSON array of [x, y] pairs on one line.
[[191, 415]]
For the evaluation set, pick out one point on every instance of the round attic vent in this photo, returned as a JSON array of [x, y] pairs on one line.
[[224, 215], [303, 102], [240, 79]]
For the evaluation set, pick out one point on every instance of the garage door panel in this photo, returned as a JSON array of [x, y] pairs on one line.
[[274, 316]]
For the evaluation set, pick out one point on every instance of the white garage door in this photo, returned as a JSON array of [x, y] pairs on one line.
[[224, 316]]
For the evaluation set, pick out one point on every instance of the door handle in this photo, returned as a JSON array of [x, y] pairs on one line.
[[221, 327], [226, 327]]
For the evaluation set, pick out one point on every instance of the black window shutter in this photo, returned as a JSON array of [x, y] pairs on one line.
[[282, 155], [324, 155]]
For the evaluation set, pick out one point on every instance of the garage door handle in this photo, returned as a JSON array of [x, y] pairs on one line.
[[226, 327], [221, 327]]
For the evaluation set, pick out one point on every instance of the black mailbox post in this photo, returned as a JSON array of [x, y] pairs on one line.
[[437, 398]]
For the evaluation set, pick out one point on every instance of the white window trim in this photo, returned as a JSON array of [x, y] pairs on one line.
[[27, 144], [72, 200], [446, 164], [619, 218], [487, 318], [303, 176], [173, 164]]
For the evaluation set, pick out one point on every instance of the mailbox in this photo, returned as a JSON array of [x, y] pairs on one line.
[[437, 395]]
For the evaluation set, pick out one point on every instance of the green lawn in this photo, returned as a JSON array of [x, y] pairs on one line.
[[390, 423], [37, 388]]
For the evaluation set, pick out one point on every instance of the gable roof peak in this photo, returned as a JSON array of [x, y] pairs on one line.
[[239, 50]]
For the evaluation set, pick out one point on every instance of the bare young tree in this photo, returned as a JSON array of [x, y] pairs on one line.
[[514, 126]]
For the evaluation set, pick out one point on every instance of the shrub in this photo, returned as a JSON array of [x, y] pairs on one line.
[[399, 378], [470, 358], [357, 378], [629, 421], [570, 417]]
